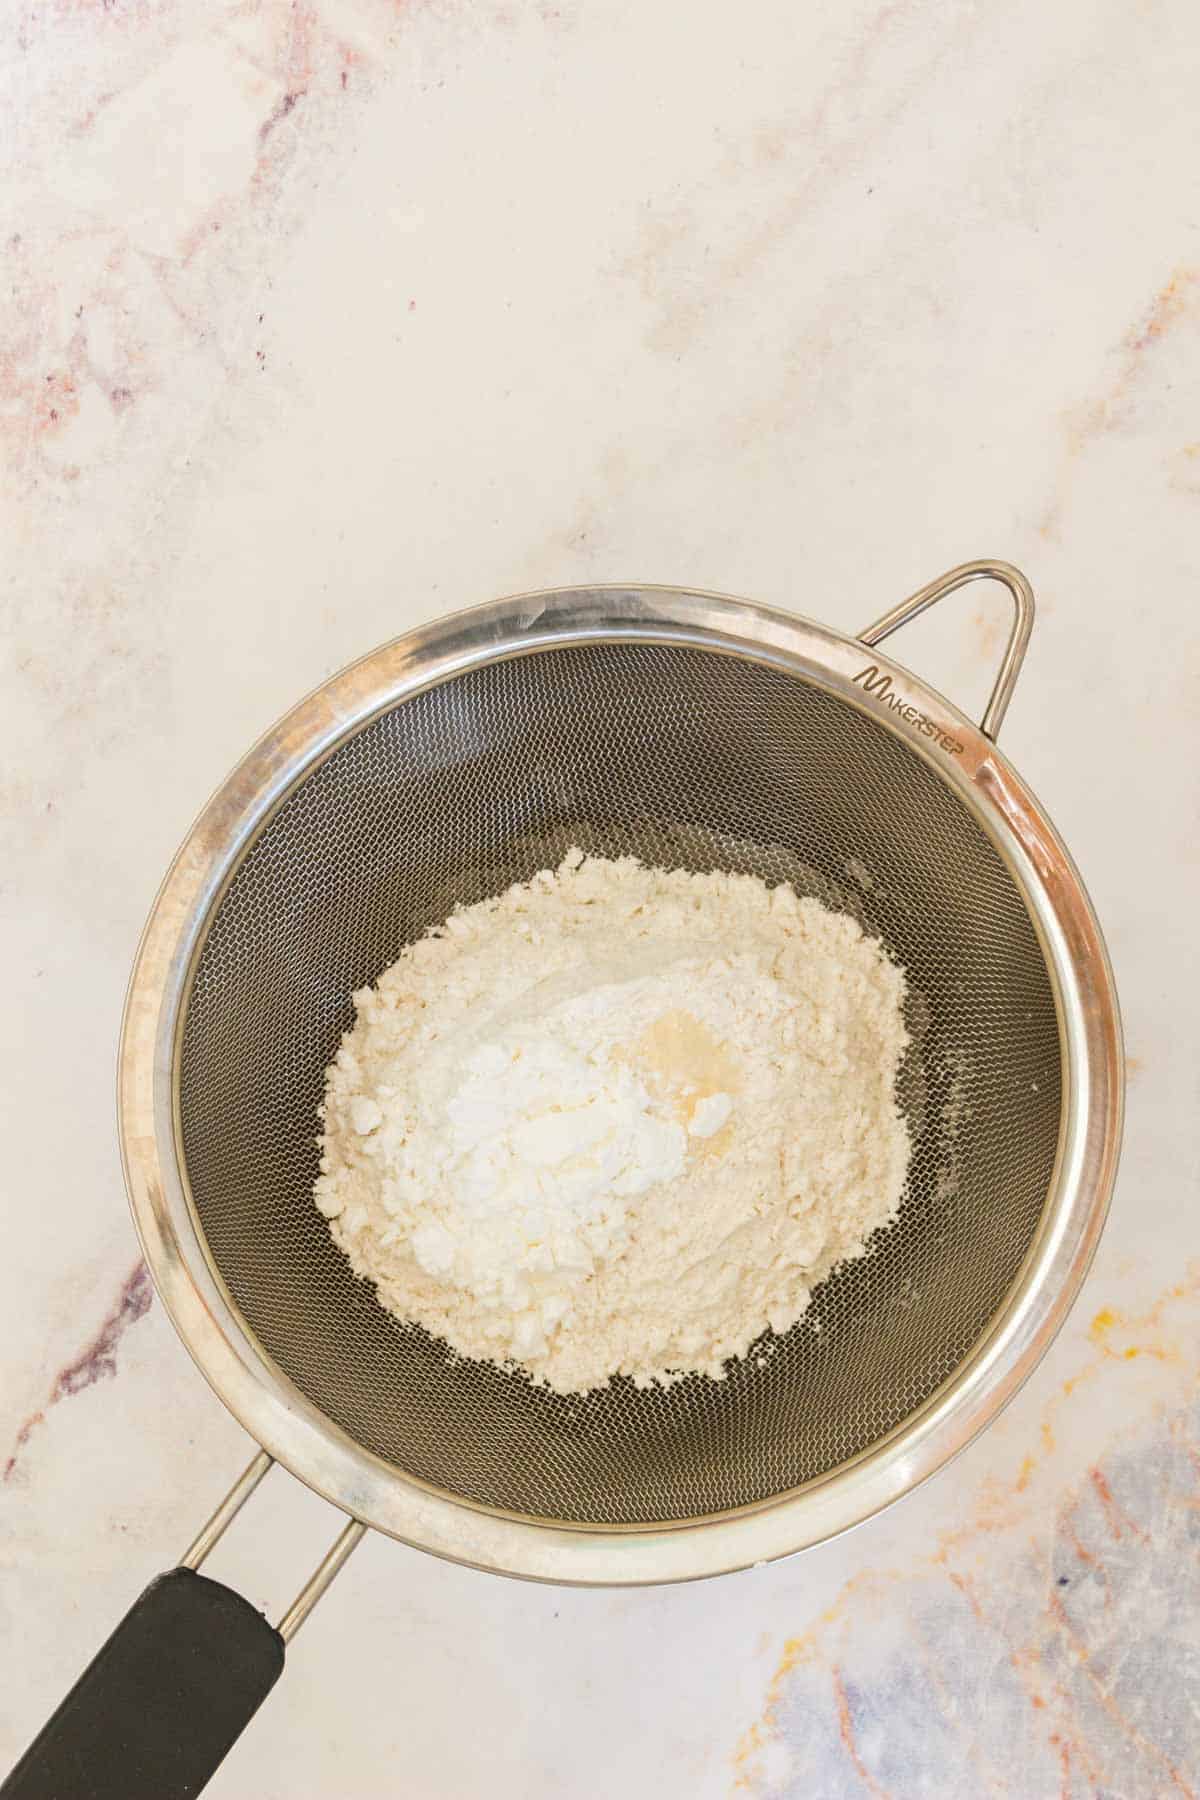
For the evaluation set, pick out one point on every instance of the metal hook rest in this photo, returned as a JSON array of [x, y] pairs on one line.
[[1018, 638]]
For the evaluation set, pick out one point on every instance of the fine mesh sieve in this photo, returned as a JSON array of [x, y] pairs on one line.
[[685, 757], [694, 732]]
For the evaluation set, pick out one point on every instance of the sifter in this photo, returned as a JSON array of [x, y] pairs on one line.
[[689, 730]]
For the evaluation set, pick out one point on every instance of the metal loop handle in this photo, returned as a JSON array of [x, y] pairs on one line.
[[319, 1580], [1018, 639]]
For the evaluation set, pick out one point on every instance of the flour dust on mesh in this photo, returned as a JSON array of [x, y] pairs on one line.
[[617, 1121]]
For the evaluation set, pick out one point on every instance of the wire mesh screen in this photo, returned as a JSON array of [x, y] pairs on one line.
[[686, 758]]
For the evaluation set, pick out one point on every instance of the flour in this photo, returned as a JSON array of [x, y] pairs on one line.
[[617, 1121]]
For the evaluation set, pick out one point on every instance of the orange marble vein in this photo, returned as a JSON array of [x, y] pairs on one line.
[[1106, 1323], [849, 1741], [997, 1508], [1119, 1521], [796, 1650], [1093, 419], [1123, 1722]]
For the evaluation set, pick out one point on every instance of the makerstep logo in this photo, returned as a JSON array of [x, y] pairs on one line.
[[878, 684]]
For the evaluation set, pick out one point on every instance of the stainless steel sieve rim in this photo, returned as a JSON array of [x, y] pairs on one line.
[[274, 1411]]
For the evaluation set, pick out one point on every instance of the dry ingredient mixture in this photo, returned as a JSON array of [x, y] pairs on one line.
[[618, 1120]]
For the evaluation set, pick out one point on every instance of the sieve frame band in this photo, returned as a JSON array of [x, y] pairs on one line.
[[280, 1418]]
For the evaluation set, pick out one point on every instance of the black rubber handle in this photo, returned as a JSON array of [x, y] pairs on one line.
[[153, 1716]]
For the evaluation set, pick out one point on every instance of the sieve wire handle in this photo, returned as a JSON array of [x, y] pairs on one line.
[[1018, 637], [155, 1712]]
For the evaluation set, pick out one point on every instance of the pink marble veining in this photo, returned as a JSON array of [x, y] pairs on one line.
[[96, 1362]]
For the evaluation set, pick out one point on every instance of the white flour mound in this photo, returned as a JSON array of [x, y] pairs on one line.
[[618, 1120]]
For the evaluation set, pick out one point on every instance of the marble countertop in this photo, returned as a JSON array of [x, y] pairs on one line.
[[322, 317]]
